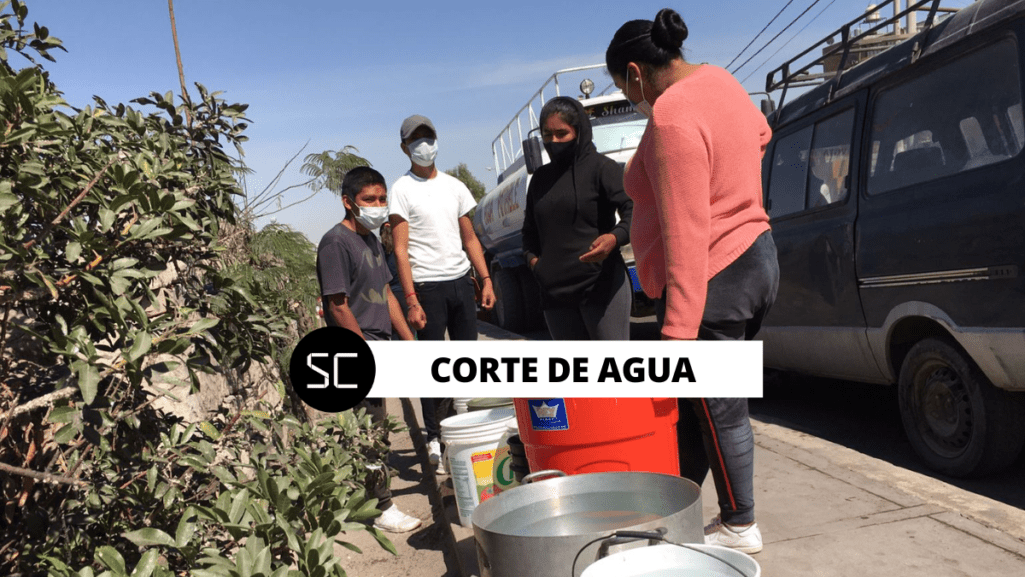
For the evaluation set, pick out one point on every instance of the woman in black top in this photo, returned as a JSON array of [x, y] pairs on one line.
[[571, 238]]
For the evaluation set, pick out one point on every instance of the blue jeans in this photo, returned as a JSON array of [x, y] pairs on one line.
[[715, 434]]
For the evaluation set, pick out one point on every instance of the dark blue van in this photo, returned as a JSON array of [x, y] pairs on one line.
[[896, 192]]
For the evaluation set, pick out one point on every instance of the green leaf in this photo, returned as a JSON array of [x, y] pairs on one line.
[[122, 263], [107, 217], [186, 529], [150, 536], [202, 325], [383, 540], [349, 546], [209, 430], [151, 478], [238, 506], [88, 380], [119, 284], [111, 558], [141, 231], [73, 251], [141, 346], [66, 433], [7, 200], [64, 414], [146, 564]]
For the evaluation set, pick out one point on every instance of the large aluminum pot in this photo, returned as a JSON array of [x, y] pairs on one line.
[[539, 529]]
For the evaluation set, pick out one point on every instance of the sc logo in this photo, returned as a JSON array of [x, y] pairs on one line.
[[332, 369]]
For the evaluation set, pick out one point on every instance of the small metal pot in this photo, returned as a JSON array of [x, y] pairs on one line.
[[539, 529]]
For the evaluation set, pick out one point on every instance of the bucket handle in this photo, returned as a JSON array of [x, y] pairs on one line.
[[620, 537], [546, 473], [617, 538]]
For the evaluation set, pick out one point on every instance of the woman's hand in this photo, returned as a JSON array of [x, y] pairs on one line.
[[532, 263], [601, 248]]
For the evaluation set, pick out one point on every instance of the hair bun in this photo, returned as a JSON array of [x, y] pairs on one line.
[[668, 31]]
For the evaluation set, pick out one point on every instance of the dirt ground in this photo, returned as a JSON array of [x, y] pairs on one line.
[[423, 551]]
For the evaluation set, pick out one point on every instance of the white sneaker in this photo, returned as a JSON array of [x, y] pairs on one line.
[[395, 521], [747, 540], [434, 452], [441, 467]]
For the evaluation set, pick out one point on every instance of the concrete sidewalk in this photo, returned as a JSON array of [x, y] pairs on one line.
[[825, 510]]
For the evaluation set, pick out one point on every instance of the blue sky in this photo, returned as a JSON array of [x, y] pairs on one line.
[[326, 74]]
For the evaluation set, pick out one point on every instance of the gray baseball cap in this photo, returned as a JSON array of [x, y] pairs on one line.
[[412, 123]]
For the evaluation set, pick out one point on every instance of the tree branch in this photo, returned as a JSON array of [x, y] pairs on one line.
[[43, 401], [44, 477], [78, 199]]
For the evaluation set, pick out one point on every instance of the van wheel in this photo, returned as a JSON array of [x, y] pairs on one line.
[[955, 419], [508, 301]]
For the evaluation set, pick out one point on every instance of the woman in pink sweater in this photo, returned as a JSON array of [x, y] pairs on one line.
[[700, 237]]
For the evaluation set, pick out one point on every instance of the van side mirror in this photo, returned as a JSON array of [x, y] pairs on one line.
[[532, 154], [768, 106]]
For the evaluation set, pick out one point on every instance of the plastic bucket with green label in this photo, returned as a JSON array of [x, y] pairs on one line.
[[471, 440]]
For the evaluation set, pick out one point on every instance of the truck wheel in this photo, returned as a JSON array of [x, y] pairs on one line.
[[508, 301], [535, 318], [955, 419]]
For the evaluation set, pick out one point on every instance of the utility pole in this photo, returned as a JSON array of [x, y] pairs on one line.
[[178, 57]]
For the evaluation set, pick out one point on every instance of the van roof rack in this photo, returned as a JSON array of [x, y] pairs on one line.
[[852, 41], [507, 147]]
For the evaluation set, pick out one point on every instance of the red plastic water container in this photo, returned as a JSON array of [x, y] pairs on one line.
[[600, 435]]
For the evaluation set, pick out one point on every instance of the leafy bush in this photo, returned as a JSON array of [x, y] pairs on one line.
[[120, 252], [262, 495]]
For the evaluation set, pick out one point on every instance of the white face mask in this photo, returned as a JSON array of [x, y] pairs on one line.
[[643, 107], [423, 151], [372, 217]]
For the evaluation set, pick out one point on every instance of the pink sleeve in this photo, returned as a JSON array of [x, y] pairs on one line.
[[680, 174]]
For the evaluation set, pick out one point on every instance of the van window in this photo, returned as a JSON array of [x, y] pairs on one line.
[[830, 160], [789, 177], [961, 116], [810, 167]]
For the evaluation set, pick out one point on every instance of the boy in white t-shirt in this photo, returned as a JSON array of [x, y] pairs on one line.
[[434, 248]]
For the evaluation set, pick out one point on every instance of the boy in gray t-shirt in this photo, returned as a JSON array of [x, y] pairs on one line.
[[352, 267], [353, 273]]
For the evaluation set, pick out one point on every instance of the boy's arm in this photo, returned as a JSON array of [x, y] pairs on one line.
[[338, 308], [400, 236], [473, 249], [398, 322]]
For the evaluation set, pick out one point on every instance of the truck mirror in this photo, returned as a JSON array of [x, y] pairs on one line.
[[768, 106], [532, 154]]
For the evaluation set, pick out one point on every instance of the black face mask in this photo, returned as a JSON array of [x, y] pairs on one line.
[[561, 152]]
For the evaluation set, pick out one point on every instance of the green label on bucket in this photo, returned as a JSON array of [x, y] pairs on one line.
[[548, 414]]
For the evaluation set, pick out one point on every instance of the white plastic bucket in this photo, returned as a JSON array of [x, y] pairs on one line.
[[471, 440], [676, 561], [460, 404]]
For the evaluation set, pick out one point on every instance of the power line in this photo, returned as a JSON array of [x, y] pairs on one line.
[[760, 33], [762, 65], [787, 27]]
